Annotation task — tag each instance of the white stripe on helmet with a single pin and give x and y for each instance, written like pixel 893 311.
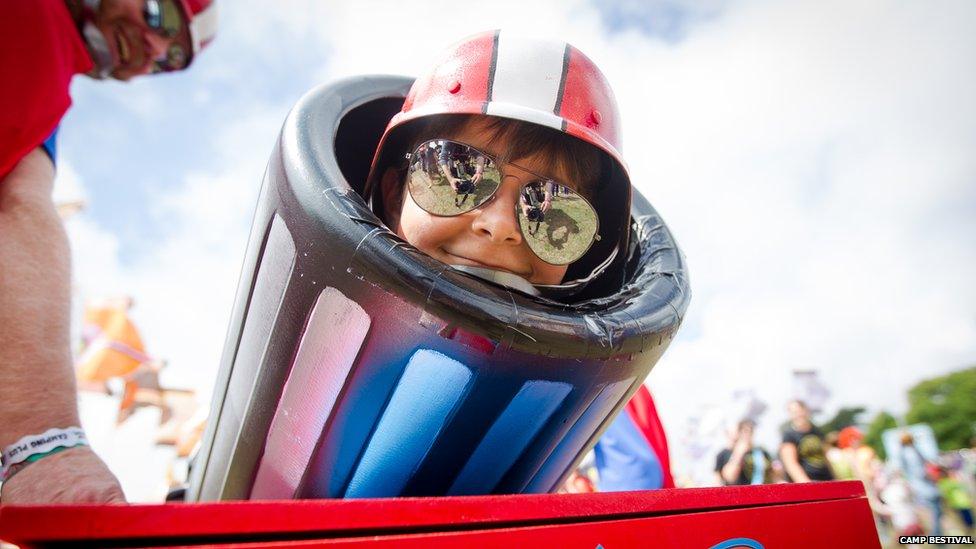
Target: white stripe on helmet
pixel 527 86
pixel 203 26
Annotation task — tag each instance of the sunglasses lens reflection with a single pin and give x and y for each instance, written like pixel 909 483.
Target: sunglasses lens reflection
pixel 558 223
pixel 151 14
pixel 176 57
pixel 163 16
pixel 447 178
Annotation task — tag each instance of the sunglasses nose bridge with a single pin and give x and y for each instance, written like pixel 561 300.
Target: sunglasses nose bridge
pixel 513 186
pixel 512 170
pixel 497 218
pixel 510 185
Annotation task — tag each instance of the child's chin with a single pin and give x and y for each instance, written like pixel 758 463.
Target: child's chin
pixel 502 277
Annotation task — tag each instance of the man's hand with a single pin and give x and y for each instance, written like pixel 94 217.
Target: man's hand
pixel 742 446
pixel 75 475
pixel 578 484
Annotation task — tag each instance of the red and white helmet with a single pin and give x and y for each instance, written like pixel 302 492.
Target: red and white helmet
pixel 549 83
pixel 201 18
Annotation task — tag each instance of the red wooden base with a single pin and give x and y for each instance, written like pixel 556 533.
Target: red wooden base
pixel 832 514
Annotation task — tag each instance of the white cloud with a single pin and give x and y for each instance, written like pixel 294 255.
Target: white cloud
pixel 68 187
pixel 813 159
pixel 815 169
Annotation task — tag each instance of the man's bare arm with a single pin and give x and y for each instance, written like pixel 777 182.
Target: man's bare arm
pixel 731 470
pixel 791 462
pixel 35 355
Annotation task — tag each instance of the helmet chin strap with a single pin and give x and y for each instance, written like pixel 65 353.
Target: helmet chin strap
pixel 96 42
pixel 553 291
pixel 570 288
pixel 503 278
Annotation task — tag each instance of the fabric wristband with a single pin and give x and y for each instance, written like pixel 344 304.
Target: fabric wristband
pixel 34 447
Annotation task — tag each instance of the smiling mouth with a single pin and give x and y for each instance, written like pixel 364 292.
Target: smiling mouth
pixel 123 48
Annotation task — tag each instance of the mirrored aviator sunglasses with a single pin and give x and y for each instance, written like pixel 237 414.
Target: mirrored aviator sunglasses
pixel 447 178
pixel 165 18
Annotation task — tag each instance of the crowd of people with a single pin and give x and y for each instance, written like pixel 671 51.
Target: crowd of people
pixel 916 492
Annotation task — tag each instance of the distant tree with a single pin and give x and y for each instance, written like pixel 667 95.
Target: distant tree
pixel 881 423
pixel 948 404
pixel 845 417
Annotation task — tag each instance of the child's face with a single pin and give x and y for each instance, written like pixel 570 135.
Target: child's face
pixel 488 236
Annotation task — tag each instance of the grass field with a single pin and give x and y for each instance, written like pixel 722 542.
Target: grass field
pixel 566 232
pixel 438 196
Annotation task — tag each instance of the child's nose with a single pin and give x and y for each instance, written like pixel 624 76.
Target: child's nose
pixel 496 219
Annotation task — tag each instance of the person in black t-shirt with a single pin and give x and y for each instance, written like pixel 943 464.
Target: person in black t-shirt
pixel 744 463
pixel 802 451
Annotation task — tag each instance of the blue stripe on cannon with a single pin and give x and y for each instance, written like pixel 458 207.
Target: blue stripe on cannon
pixel 508 437
pixel 429 390
pixel 562 457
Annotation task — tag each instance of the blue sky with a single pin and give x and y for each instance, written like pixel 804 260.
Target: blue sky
pixel 813 159
pixel 667 20
pixel 150 133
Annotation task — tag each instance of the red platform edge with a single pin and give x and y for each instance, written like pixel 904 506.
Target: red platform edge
pixel 31 525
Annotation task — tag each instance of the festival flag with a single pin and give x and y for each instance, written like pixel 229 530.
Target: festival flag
pixel 745 405
pixel 112 345
pixel 808 388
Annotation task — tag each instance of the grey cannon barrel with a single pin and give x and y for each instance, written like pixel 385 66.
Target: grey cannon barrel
pixel 357 366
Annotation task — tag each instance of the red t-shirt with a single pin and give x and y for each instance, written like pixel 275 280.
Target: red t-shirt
pixel 42 50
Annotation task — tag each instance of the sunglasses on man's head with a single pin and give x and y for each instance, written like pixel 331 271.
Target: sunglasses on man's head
pixel 447 178
pixel 165 18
